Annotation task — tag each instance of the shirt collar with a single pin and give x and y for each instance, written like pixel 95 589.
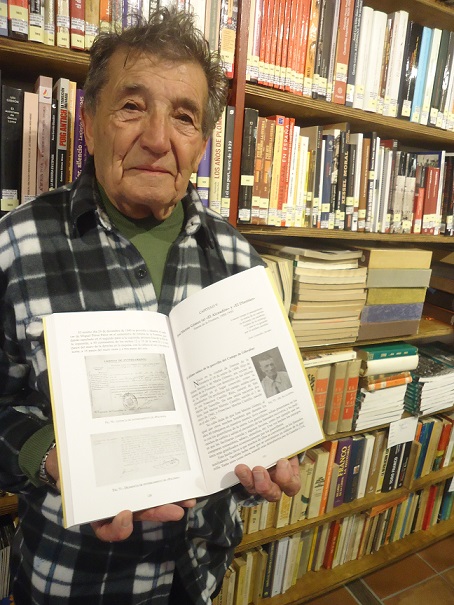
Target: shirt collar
pixel 87 207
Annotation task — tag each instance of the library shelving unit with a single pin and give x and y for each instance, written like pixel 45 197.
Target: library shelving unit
pixel 24 61
pixel 308 112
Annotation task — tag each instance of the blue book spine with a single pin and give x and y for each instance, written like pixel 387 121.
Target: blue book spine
pixel 391 312
pixel 424 437
pixel 416 107
pixel 203 175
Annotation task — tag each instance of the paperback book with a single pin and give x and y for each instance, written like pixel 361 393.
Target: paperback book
pixel 150 409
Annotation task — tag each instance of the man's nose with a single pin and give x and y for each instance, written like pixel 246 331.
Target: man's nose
pixel 156 133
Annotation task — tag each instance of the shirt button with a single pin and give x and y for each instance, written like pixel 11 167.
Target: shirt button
pixel 141 273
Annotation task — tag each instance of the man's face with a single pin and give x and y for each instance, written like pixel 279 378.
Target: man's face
pixel 268 368
pixel 146 132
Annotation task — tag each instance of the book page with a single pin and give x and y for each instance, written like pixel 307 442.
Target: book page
pixel 124 437
pixel 247 391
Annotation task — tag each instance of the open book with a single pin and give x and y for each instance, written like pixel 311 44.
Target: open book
pixel 150 409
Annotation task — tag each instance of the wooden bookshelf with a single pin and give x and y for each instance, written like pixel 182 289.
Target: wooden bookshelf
pixel 8 504
pixel 344 510
pixel 316 583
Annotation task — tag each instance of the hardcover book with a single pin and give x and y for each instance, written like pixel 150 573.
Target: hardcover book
pixel 143 427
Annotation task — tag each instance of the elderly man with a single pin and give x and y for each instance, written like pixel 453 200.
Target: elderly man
pixel 129 233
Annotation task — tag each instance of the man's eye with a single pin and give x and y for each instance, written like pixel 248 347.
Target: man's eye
pixel 184 117
pixel 130 106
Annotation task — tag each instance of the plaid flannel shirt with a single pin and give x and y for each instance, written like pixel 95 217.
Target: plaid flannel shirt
pixel 61 253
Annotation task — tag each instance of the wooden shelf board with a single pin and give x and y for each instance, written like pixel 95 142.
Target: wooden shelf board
pixel 354 236
pixel 30 59
pixel 315 583
pixel 308 111
pixel 8 504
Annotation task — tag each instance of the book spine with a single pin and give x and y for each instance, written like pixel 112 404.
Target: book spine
pixel 217 156
pixel 227 161
pixel 276 175
pixel 79 138
pixel 77 24
pixel 105 17
pixel 36 21
pixel 18 19
pixel 43 88
pixel 10 147
pixel 227 34
pixel 203 174
pixel 63 23
pixel 309 66
pixel 4 18
pixel 346 16
pixel 91 22
pixel 353 57
pixel 29 146
pixel 53 146
pixel 342 459
pixel 60 93
pixel 49 22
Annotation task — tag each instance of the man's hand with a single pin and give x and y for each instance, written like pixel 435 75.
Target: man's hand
pixel 120 527
pixel 284 477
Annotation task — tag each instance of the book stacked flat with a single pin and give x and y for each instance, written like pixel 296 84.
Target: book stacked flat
pixel 385 373
pixel 433 380
pixel 328 292
pixel 397 279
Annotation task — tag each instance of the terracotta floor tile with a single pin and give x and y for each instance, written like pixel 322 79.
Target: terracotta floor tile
pixel 341 596
pixel 434 590
pixel 440 555
pixel 398 576
pixel 449 576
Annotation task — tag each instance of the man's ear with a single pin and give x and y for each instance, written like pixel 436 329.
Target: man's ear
pixel 87 121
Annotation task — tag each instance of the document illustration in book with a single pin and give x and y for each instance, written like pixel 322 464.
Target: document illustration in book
pixel 150 409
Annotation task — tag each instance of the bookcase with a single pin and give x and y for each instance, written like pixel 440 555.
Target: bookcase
pixel 24 61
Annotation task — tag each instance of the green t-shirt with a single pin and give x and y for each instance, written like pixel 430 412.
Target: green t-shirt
pixel 151 237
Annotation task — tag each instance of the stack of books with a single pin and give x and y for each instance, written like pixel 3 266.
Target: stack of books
pixel 397 279
pixel 433 380
pixel 385 373
pixel 328 292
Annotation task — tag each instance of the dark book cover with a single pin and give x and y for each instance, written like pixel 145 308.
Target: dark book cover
pixel 323 33
pixel 440 298
pixel 372 136
pixel 325 200
pixel 409 69
pixel 10 147
pixel 437 90
pixel 342 458
pixel 342 177
pixel 403 465
pixel 53 146
pixel 354 467
pixel 350 184
pixel 247 165
pixel 391 468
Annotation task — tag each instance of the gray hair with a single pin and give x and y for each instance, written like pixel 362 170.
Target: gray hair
pixel 170 35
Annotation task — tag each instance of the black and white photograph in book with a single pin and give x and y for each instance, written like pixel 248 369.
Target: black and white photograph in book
pixel 272 373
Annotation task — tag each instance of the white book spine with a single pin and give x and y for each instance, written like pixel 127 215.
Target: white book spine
pixel 363 51
pixel 374 61
pixel 395 67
